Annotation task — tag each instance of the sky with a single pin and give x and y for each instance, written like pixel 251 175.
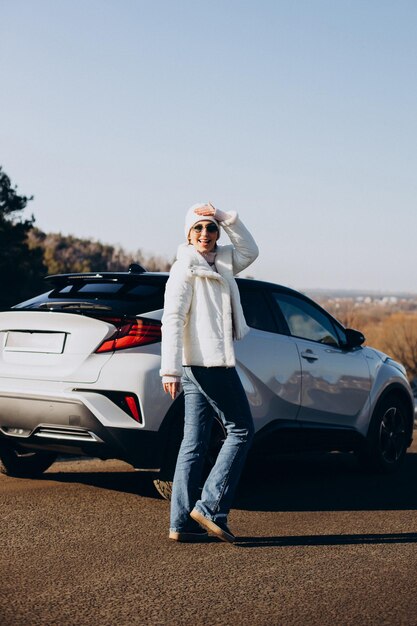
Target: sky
pixel 117 115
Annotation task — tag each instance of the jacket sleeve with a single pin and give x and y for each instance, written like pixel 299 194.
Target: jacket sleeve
pixel 178 296
pixel 245 250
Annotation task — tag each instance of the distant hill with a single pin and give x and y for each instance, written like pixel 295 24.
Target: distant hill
pixel 354 294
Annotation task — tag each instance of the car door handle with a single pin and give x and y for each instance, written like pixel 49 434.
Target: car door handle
pixel 309 355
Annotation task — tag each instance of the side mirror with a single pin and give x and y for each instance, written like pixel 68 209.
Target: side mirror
pixel 354 338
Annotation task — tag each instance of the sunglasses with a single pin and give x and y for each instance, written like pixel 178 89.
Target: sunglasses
pixel 210 228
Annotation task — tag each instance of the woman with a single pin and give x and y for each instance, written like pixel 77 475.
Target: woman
pixel 202 316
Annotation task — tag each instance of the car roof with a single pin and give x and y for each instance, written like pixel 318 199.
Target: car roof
pixel 59 280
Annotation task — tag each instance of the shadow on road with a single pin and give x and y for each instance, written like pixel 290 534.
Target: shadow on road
pixel 138 483
pixel 324 540
pixel 325 482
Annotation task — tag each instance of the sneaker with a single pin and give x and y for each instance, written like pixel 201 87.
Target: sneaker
pixel 188 537
pixel 218 530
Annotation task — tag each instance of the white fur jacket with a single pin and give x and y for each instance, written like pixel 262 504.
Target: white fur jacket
pixel 202 311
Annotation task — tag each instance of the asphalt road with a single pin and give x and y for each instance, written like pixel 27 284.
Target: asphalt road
pixel 319 543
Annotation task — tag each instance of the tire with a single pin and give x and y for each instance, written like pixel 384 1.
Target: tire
pixel 15 461
pixel 386 445
pixel 163 484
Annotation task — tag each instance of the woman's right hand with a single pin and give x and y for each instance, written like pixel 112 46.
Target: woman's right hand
pixel 209 210
pixel 206 210
pixel 172 388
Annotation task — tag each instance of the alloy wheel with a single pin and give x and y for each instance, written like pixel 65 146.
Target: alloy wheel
pixel 392 435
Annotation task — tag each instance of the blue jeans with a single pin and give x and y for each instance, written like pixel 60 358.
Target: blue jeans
pixel 209 390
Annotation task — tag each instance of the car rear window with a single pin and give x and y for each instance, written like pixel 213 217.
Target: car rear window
pixel 106 288
pixel 125 298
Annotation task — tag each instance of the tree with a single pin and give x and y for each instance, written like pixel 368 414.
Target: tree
pixel 27 254
pixel 399 340
pixel 66 253
pixel 21 268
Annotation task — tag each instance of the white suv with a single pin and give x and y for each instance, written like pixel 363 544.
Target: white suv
pixel 79 374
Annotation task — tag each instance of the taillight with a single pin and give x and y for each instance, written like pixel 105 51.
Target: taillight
pixel 132 404
pixel 131 334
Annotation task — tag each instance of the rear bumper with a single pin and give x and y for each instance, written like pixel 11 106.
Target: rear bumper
pixel 69 425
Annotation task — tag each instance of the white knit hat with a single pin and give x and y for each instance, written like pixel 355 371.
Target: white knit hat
pixel 192 218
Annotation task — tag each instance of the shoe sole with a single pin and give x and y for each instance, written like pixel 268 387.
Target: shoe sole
pixel 187 537
pixel 211 527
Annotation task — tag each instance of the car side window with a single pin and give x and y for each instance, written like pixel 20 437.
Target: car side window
pixel 256 310
pixel 305 320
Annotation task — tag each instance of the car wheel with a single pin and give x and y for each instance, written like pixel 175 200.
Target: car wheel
pixel 24 463
pixel 163 484
pixel 388 437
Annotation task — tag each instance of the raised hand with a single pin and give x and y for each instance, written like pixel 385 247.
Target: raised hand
pixel 206 209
